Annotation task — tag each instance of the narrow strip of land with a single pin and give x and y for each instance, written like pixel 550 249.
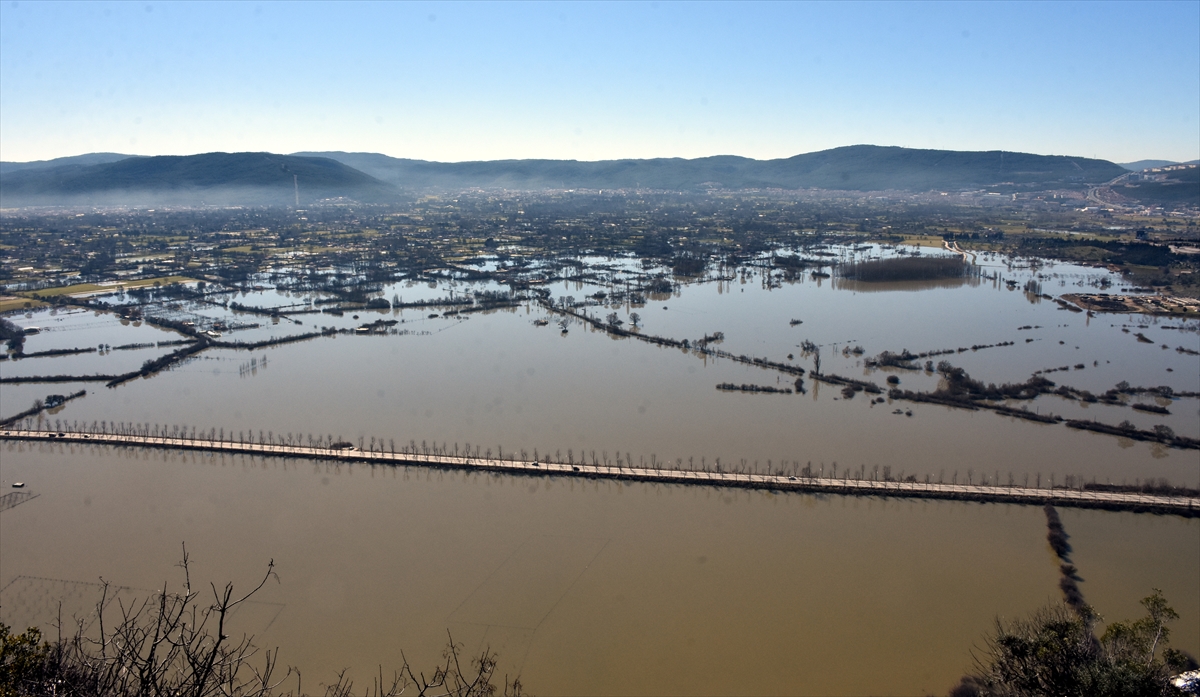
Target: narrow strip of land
pixel 1059 496
pixel 953 247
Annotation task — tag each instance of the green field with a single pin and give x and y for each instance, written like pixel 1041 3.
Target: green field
pixel 93 287
pixel 11 302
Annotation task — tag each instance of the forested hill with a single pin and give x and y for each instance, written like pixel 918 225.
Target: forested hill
pixel 856 168
pixel 94 158
pixel 212 178
pixel 269 179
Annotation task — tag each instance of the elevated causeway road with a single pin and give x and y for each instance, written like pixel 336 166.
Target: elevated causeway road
pixel 1058 496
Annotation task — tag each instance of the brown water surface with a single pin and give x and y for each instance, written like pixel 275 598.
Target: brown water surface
pixel 608 588
pixel 583 587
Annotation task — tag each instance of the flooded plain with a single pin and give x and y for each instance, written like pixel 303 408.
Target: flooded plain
pixel 589 587
pixel 495 379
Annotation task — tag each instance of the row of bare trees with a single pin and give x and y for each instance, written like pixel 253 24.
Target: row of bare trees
pixel 617 460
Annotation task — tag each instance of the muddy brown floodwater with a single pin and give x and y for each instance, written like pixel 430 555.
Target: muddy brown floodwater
pixel 602 587
pixel 583 587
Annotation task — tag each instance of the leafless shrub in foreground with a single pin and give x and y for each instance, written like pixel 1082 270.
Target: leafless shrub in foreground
pixel 177 644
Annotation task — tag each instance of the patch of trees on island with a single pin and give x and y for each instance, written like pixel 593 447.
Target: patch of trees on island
pixel 914 268
pixel 51 402
pixel 960 390
pixel 904 359
pixel 765 389
pixel 12 335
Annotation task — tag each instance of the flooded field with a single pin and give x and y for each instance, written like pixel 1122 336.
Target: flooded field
pixel 497 380
pixel 589 587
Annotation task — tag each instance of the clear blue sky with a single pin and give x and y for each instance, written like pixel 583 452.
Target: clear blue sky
pixel 462 81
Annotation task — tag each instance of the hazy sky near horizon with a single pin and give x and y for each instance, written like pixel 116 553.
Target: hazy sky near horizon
pixel 593 81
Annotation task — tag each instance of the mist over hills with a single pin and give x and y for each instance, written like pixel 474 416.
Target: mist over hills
pixel 267 179
pixel 854 168
pixel 212 178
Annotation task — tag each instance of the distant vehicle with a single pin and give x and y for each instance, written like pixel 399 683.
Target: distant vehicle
pixel 18 485
pixel 791 479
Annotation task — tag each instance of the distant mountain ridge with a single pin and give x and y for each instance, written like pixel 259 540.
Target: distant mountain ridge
pixel 1146 164
pixel 856 168
pixel 1151 164
pixel 267 178
pixel 212 178
pixel 94 158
